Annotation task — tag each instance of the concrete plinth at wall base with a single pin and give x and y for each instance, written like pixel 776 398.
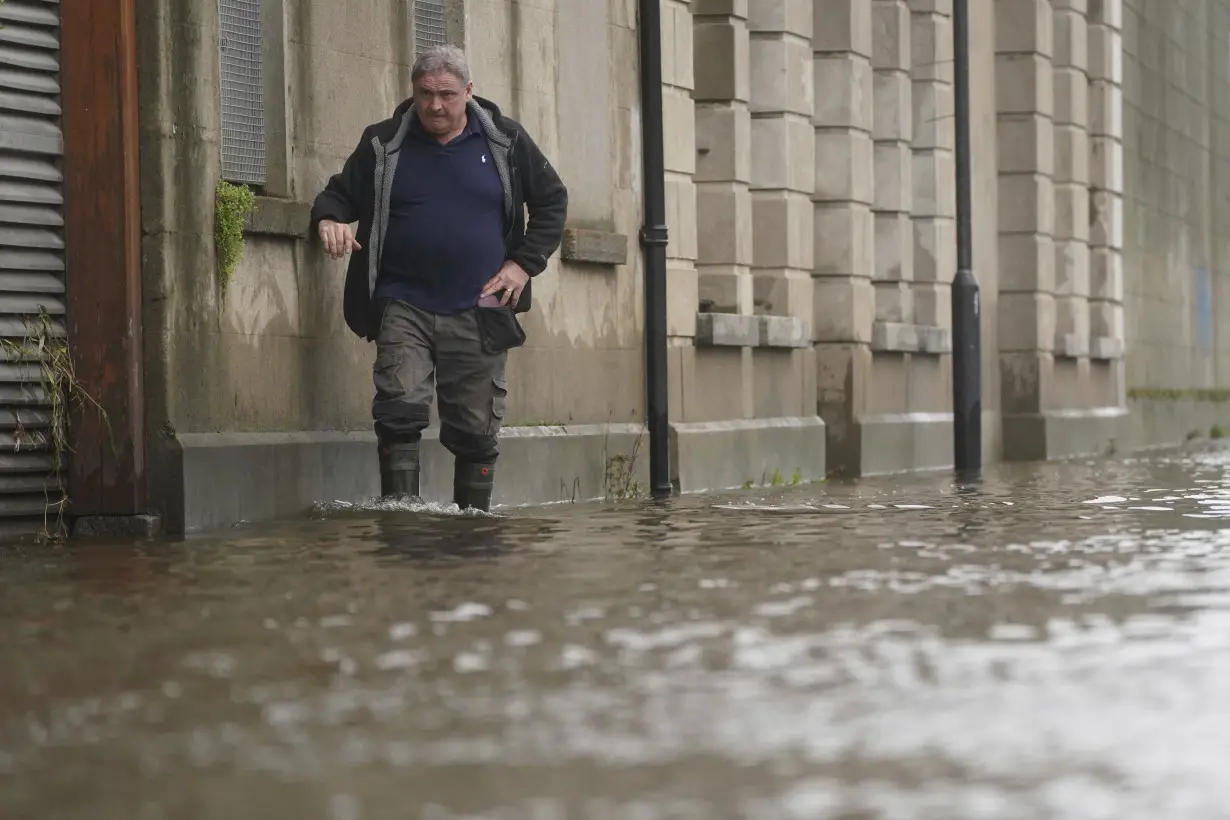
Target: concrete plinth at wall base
pixel 211 481
pixel 1166 422
pixel 905 442
pixel 214 480
pixel 725 455
pixel 1065 433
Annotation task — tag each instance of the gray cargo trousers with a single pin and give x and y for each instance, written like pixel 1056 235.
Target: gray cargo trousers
pixel 421 356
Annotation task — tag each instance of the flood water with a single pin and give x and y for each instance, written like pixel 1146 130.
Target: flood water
pixel 1053 642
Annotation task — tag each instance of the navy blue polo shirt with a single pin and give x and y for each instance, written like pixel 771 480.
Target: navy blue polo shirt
pixel 446 222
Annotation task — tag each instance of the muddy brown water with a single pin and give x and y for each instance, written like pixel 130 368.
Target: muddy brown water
pixel 1052 642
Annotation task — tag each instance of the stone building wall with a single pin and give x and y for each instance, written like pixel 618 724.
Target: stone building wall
pixel 811 206
pixel 1176 111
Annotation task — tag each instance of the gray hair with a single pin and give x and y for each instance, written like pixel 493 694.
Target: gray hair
pixel 441 58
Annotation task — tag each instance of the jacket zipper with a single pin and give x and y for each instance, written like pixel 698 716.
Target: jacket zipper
pixel 512 183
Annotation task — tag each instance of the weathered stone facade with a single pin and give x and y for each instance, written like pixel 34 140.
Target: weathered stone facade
pixel 810 161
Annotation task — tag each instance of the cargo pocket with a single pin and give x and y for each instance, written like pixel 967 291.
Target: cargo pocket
pixel 385 372
pixel 499 330
pixel 499 405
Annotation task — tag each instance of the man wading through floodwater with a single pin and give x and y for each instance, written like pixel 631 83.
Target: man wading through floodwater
pixel 441 264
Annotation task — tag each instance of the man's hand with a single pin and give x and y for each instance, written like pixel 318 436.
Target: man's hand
pixel 511 279
pixel 337 238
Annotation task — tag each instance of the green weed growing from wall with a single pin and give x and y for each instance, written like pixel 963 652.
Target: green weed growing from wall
pixel 232 206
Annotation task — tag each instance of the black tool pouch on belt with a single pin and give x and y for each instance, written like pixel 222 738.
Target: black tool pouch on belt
pixel 499 329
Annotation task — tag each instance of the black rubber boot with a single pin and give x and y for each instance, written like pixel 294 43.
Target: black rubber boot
pixel 472 485
pixel 399 470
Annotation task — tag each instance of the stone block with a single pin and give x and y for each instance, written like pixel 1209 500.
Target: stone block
pixel 1026 322
pixel 681 217
pixel 1106 319
pixel 1106 220
pixel 1078 6
pixel 893 117
pixel 844 240
pixel 1106 164
pixel 934 339
pixel 682 45
pixel 935 249
pixel 721 59
pixel 933 308
pixel 1071 97
pixel 844 309
pixel 893 177
pixel 1071 39
pixel 1071 211
pixel 940 7
pixel 784 331
pixel 933 122
pixel 845 166
pixel 724 223
pixel 1105 109
pixel 1070 345
pixel 279 217
pixel 1024 27
pixel 672 60
pixel 893 336
pixel 594 247
pixel 890 35
pixel 1106 13
pixel 1071 267
pixel 844 91
pixel 1072 319
pixel 1106 275
pixel 1103 348
pixel 782 230
pixel 841 26
pixel 724 384
pixel 781 75
pixel 716 455
pixel 1026 263
pixel 723 142
pixel 894 253
pixel 1105 54
pixel 781 16
pixel 721 8
pixel 679 131
pixel 1024 85
pixel 1071 154
pixel 782 292
pixel 933 175
pixel 1025 144
pixel 1026 204
pixel 784 153
pixel 931 48
pixel 724 289
pixel 727 330
pixel 682 299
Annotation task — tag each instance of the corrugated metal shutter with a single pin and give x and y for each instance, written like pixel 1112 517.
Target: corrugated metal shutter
pixel 428 24
pixel 31 253
pixel 243 91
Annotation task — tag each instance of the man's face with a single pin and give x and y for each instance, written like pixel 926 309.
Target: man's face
pixel 440 100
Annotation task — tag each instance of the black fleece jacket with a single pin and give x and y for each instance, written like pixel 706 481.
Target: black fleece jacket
pixel 360 192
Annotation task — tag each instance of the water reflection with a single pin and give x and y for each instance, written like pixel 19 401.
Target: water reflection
pixel 1050 642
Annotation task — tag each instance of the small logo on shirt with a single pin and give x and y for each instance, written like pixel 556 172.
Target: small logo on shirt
pixel 484 159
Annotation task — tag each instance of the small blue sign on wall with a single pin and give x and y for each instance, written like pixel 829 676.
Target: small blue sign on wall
pixel 1204 308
